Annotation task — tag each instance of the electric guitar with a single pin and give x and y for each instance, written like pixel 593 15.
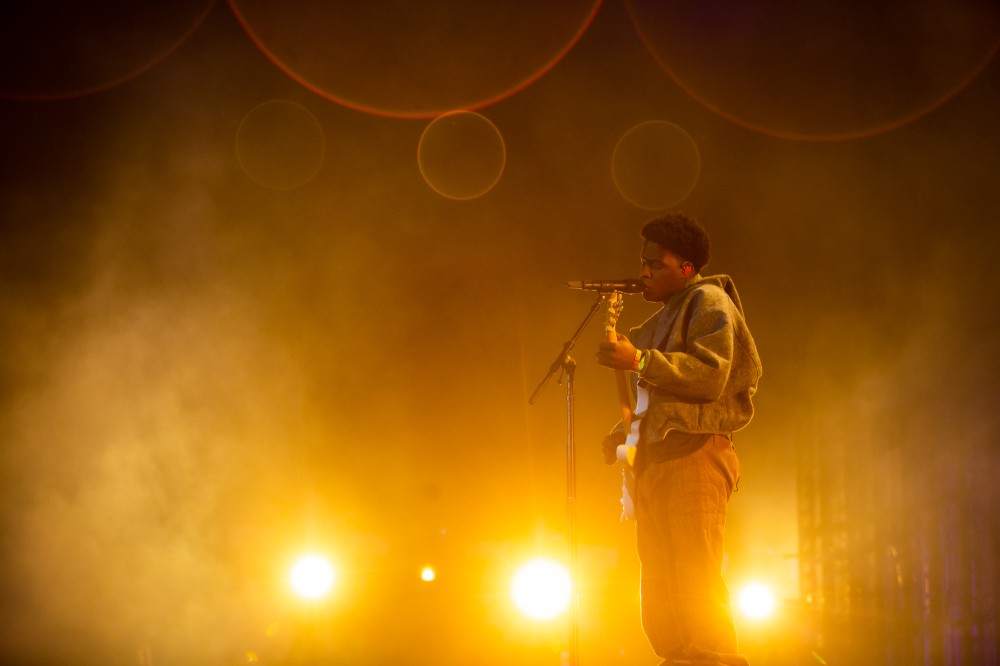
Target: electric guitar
pixel 625 452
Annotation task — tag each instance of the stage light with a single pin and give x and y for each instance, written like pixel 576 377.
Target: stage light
pixel 756 601
pixel 427 574
pixel 542 589
pixel 312 576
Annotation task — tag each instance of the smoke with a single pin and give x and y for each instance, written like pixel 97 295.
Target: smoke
pixel 141 455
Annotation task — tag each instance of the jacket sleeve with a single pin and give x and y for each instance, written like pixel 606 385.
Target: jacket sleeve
pixel 697 368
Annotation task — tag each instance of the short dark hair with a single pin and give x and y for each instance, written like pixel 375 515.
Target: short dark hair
pixel 682 235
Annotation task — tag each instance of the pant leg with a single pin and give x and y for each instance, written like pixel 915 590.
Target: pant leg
pixel 680 523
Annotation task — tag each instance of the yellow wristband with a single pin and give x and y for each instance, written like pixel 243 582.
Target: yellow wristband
pixel 636 361
pixel 642 362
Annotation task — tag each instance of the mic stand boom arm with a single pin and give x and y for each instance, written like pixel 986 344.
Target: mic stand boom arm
pixel 560 362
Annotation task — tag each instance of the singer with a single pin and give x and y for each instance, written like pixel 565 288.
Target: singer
pixel 694 368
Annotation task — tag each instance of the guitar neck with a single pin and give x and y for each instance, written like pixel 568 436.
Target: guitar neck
pixel 613 301
pixel 624 394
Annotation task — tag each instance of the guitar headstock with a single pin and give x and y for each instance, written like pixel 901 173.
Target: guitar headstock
pixel 614 302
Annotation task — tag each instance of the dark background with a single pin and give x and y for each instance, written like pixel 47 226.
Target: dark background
pixel 234 332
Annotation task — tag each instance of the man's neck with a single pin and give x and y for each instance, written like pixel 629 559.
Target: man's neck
pixel 691 280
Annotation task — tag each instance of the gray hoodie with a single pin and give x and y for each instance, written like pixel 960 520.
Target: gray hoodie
pixel 703 366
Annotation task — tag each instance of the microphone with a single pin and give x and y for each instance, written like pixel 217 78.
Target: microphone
pixel 624 286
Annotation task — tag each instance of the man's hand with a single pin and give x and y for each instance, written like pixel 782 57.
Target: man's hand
pixel 610 446
pixel 618 355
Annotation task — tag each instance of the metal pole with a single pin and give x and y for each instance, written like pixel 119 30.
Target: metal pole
pixel 574 630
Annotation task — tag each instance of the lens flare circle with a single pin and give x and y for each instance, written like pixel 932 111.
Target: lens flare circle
pixel 756 601
pixel 65 50
pixel 312 576
pixel 280 145
pixel 823 73
pixel 655 165
pixel 461 155
pixel 541 589
pixel 415 59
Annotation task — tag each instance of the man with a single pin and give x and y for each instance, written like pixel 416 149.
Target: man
pixel 695 368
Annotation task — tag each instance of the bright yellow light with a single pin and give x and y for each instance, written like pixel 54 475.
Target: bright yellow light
pixel 312 576
pixel 757 601
pixel 427 574
pixel 542 589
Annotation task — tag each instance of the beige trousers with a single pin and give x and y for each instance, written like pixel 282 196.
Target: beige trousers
pixel 680 522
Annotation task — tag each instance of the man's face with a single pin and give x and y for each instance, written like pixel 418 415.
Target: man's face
pixel 663 272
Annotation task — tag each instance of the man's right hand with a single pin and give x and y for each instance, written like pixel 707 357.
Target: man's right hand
pixel 610 446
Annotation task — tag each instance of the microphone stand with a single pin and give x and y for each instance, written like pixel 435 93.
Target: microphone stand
pixel 565 363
